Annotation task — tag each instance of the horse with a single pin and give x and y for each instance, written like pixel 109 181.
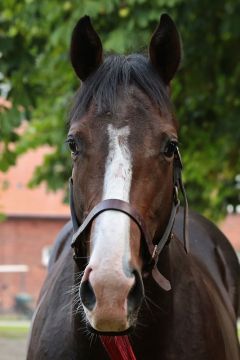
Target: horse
pixel 133 275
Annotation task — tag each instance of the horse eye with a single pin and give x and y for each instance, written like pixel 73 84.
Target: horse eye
pixel 170 149
pixel 72 146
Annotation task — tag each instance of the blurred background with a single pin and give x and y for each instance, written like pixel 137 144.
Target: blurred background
pixel 37 85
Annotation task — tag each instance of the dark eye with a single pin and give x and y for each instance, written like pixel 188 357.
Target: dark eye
pixel 170 149
pixel 72 146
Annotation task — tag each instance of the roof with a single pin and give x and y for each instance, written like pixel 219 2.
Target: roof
pixel 17 199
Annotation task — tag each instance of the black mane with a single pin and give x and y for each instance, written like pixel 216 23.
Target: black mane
pixel 119 70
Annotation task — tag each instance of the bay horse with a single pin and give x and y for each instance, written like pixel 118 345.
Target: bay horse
pixel 133 275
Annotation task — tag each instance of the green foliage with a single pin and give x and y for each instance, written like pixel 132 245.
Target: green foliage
pixel 34 42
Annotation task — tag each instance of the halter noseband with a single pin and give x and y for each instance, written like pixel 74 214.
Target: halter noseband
pixel 155 245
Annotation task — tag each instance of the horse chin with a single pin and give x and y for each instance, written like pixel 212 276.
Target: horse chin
pixel 111 327
pixel 110 333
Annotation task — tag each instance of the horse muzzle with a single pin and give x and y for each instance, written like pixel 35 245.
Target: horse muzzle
pixel 111 302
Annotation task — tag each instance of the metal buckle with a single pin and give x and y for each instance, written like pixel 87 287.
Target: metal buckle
pixel 176 192
pixel 155 252
pixel 178 158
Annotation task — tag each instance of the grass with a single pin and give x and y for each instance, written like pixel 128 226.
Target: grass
pixel 13 332
pixel 9 329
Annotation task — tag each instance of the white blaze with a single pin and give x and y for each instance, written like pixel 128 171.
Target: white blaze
pixel 110 234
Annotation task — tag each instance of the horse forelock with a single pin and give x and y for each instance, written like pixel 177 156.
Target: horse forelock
pixel 114 78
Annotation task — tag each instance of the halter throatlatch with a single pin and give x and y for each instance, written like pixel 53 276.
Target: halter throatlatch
pixel 152 247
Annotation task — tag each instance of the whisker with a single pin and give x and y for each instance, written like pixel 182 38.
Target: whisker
pixel 149 300
pixel 147 304
pixel 93 338
pixel 78 275
pixel 73 289
pixel 136 332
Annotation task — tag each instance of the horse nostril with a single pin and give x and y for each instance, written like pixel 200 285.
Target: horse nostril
pixel 87 295
pixel 136 293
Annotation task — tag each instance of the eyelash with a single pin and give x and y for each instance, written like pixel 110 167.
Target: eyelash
pixel 72 146
pixel 170 148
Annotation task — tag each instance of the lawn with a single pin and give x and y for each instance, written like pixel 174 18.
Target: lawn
pixel 14 329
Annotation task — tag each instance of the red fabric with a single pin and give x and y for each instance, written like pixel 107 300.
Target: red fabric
pixel 118 347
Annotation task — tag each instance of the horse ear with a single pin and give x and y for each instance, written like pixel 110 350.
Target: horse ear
pixel 86 49
pixel 165 48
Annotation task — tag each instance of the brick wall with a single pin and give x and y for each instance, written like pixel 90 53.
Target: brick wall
pixel 21 242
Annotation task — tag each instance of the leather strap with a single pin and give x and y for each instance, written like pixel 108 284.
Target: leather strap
pixel 117 205
pixel 178 183
pixel 168 231
pixel 72 207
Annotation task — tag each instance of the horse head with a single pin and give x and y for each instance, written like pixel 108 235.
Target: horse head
pixel 123 140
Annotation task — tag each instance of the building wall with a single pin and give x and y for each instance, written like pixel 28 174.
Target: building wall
pixel 231 228
pixel 22 242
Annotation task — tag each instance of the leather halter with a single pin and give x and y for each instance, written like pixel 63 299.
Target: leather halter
pixel 154 246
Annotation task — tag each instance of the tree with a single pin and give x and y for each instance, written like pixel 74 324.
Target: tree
pixel 37 78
